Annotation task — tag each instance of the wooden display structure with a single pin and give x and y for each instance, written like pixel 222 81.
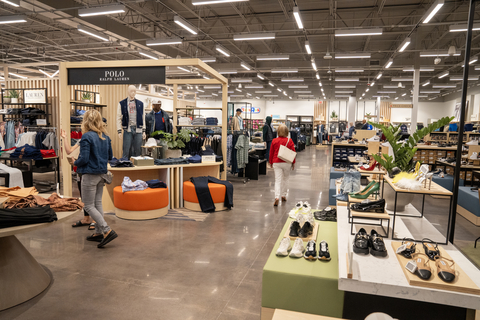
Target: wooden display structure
pixel 462 282
pixel 364 134
pixel 472 149
pixel 373 147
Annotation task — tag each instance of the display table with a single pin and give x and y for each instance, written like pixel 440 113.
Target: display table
pixel 291 315
pixel 384 276
pixel 172 175
pixel 21 276
pixel 301 285
pixel 463 168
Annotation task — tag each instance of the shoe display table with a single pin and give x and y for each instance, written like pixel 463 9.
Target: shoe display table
pixel 21 276
pixel 382 279
pixel 463 168
pixel 297 284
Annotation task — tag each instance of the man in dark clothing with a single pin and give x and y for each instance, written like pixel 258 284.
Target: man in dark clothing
pixel 158 120
pixel 268 135
pixel 365 125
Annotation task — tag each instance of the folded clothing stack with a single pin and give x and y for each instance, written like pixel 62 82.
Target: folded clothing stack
pixel 55 202
pixel 129 185
pixel 155 183
pixel 120 163
pixel 198 121
pixel 195 159
pixel 27 152
pixel 20 217
pixel 31 111
pixel 48 153
pixel 184 121
pixel 75 120
pixel 13 111
pixel 211 121
pixel 80 113
pixel 169 161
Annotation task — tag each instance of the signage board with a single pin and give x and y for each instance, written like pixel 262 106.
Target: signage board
pixel 35 96
pixel 251 110
pixel 122 75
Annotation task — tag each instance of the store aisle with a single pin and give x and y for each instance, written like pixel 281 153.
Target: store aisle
pixel 171 269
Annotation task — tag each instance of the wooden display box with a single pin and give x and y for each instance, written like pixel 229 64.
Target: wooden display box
pixel 142 162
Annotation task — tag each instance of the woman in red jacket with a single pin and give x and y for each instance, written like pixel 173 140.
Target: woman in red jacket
pixel 281 168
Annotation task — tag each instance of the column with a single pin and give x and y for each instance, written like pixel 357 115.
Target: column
pixel 416 89
pixel 377 109
pixel 352 103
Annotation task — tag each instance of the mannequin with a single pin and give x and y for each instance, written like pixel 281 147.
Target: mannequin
pixel 131 121
pixel 158 120
pixel 237 121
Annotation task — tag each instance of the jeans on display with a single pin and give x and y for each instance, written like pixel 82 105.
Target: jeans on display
pixel 92 189
pixel 282 173
pixel 132 143
pixel 351 181
pixel 10 135
pixel 163 148
pixel 267 154
pixel 203 193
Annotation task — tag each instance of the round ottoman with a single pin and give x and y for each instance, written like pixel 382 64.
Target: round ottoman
pixel 140 205
pixel 190 199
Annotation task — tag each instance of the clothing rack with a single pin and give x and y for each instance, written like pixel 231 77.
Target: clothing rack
pixel 237 133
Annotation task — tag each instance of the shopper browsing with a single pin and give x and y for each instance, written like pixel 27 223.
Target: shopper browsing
pixel 281 168
pixel 95 151
pixel 268 135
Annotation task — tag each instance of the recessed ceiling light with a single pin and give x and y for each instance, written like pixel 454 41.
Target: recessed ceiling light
pixel 184 24
pixel 98 11
pixel 358 32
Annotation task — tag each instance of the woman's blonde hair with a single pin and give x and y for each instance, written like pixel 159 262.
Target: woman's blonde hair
pixel 92 121
pixel 282 131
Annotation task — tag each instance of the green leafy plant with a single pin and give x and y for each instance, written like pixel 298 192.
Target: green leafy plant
pixel 368 114
pixel 86 96
pixel 176 140
pixel 7 96
pixel 333 115
pixel 14 94
pixel 404 151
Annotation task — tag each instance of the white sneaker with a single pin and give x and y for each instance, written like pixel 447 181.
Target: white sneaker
pixel 474 156
pixel 306 208
pixel 357 158
pixel 374 138
pixel 284 247
pixel 293 214
pixel 472 143
pixel 298 249
pixel 300 218
pixel 310 218
pixel 299 205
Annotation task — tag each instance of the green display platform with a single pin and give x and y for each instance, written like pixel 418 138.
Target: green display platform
pixel 302 285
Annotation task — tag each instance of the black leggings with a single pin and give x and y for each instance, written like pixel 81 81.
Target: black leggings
pixel 79 184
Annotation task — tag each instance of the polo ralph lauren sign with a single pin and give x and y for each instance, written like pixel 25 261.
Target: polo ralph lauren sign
pixel 127 75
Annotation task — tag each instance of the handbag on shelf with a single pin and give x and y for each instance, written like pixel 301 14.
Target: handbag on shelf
pixel 286 154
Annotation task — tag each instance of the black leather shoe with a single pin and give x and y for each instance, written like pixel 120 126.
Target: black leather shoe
pixel 111 236
pixel 306 230
pixel 377 246
pixel 97 238
pixel 371 206
pixel 294 228
pixel 361 241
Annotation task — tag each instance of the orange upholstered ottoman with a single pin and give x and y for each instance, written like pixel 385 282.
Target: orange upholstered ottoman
pixel 140 205
pixel 190 199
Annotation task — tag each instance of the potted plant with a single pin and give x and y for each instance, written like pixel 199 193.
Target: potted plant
pixel 175 141
pixel 14 94
pixel 334 116
pixel 86 97
pixel 7 99
pixel 403 153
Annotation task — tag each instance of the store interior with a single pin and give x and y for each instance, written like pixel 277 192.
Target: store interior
pixel 240 159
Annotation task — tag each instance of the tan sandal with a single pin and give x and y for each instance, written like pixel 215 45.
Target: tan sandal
pixel 423 266
pixel 445 270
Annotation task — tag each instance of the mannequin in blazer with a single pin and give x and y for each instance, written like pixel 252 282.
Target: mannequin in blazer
pixel 131 122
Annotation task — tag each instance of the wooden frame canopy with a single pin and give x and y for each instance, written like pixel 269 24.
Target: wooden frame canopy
pixel 65 98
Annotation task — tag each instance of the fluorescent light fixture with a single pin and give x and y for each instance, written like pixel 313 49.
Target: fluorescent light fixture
pixel 396 98
pixel 249 94
pixel 344 91
pixel 372 84
pixel 433 10
pixel 386 91
pixel 345 87
pixel 420 96
pixel 165 42
pixel 404 44
pixel 477 68
pixel 245 66
pixel 257 97
pixel 55 73
pixel 381 97
pixel 402 79
pixel 296 14
pixel 403 95
pixel 322 89
pixel 98 11
pixel 442 86
pixel 203 2
pixel 353 56
pixel 205 77
pixel 254 86
pixel 266 91
pixel 443 74
pixel 185 25
pixel 347 79
pixel 50 76
pixel 317 76
pixel 342 96
pixel 429 91
pixel 270 83
pixel 238 90
pixel 379 75
pixel 260 76
pixel 389 63
pixel 297 87
pixel 254 36
pixel 270 95
pixel 426 83
pixel 302 91
pixel 200 90
pixel 237 95
pixel 92 33
pixel 17 75
pixel 241 80
pixel 360 98
pixel 273 57
pixel 474 59
pixel 305 95
pixel 285 93
pixel 227 71
pixel 205 95
pixel 289 70
pixel 314 65
pixel 358 32
pixel 212 87
pixel 463 27
pixel 368 89
pixel 363 94
pixel 13 19
pixel 184 69
pixel 320 84
pixel 222 50
pixel 208 59
pixel 279 90
pixel 392 87
pixel 307 47
pixel 289 97
pixel 15 3
pixel 292 79
pixel 442 53
pixel 460 78
pixel 148 55
pixel 349 70
pixel 411 69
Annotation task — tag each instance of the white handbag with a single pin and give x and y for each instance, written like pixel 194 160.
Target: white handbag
pixel 286 154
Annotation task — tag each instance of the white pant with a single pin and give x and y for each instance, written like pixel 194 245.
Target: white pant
pixel 282 173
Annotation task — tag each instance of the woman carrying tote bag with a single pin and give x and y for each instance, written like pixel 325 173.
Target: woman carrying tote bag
pixel 281 167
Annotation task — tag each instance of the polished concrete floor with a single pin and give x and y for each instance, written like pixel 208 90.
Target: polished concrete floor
pixel 171 269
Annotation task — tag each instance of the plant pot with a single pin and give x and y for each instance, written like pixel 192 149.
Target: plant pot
pixel 169 153
pixel 14 100
pixel 86 100
pixel 7 100
pixel 403 199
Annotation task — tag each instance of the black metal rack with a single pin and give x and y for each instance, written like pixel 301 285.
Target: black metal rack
pixel 20 105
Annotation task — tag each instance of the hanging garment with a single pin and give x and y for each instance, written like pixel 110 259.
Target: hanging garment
pixel 242 151
pixel 229 150
pixel 20 217
pixel 351 182
pixel 203 193
pixel 16 176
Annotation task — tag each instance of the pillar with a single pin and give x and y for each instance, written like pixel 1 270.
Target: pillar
pixel 416 89
pixel 352 103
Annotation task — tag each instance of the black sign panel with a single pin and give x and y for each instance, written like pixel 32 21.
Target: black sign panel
pixel 126 75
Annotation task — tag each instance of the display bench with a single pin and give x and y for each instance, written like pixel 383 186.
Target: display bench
pixel 21 276
pixel 172 175
pixel 466 171
pixel 374 277
pixel 301 285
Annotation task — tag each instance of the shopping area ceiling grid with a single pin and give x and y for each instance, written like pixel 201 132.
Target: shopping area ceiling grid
pixel 319 44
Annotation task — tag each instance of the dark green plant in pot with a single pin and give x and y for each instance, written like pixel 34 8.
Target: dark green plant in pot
pixel 176 140
pixel 404 151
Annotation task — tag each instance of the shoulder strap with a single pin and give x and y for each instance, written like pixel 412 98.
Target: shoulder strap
pixel 288 140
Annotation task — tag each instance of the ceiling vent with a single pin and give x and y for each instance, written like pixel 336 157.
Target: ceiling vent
pixel 374 62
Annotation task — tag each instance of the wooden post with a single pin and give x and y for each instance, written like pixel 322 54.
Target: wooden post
pixel 64 108
pixel 175 106
pixel 224 128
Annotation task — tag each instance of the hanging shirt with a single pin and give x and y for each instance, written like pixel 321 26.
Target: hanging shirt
pixel 132 113
pixel 240 123
pixel 159 121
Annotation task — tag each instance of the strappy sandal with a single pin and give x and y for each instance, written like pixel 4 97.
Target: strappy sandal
pixel 410 247
pixel 430 250
pixel 92 226
pixel 445 269
pixel 423 266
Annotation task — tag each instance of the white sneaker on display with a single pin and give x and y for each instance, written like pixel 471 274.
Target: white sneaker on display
pixel 310 218
pixel 306 208
pixel 374 138
pixel 300 218
pixel 293 213
pixel 297 249
pixel 472 143
pixel 474 156
pixel 299 205
pixel 284 247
